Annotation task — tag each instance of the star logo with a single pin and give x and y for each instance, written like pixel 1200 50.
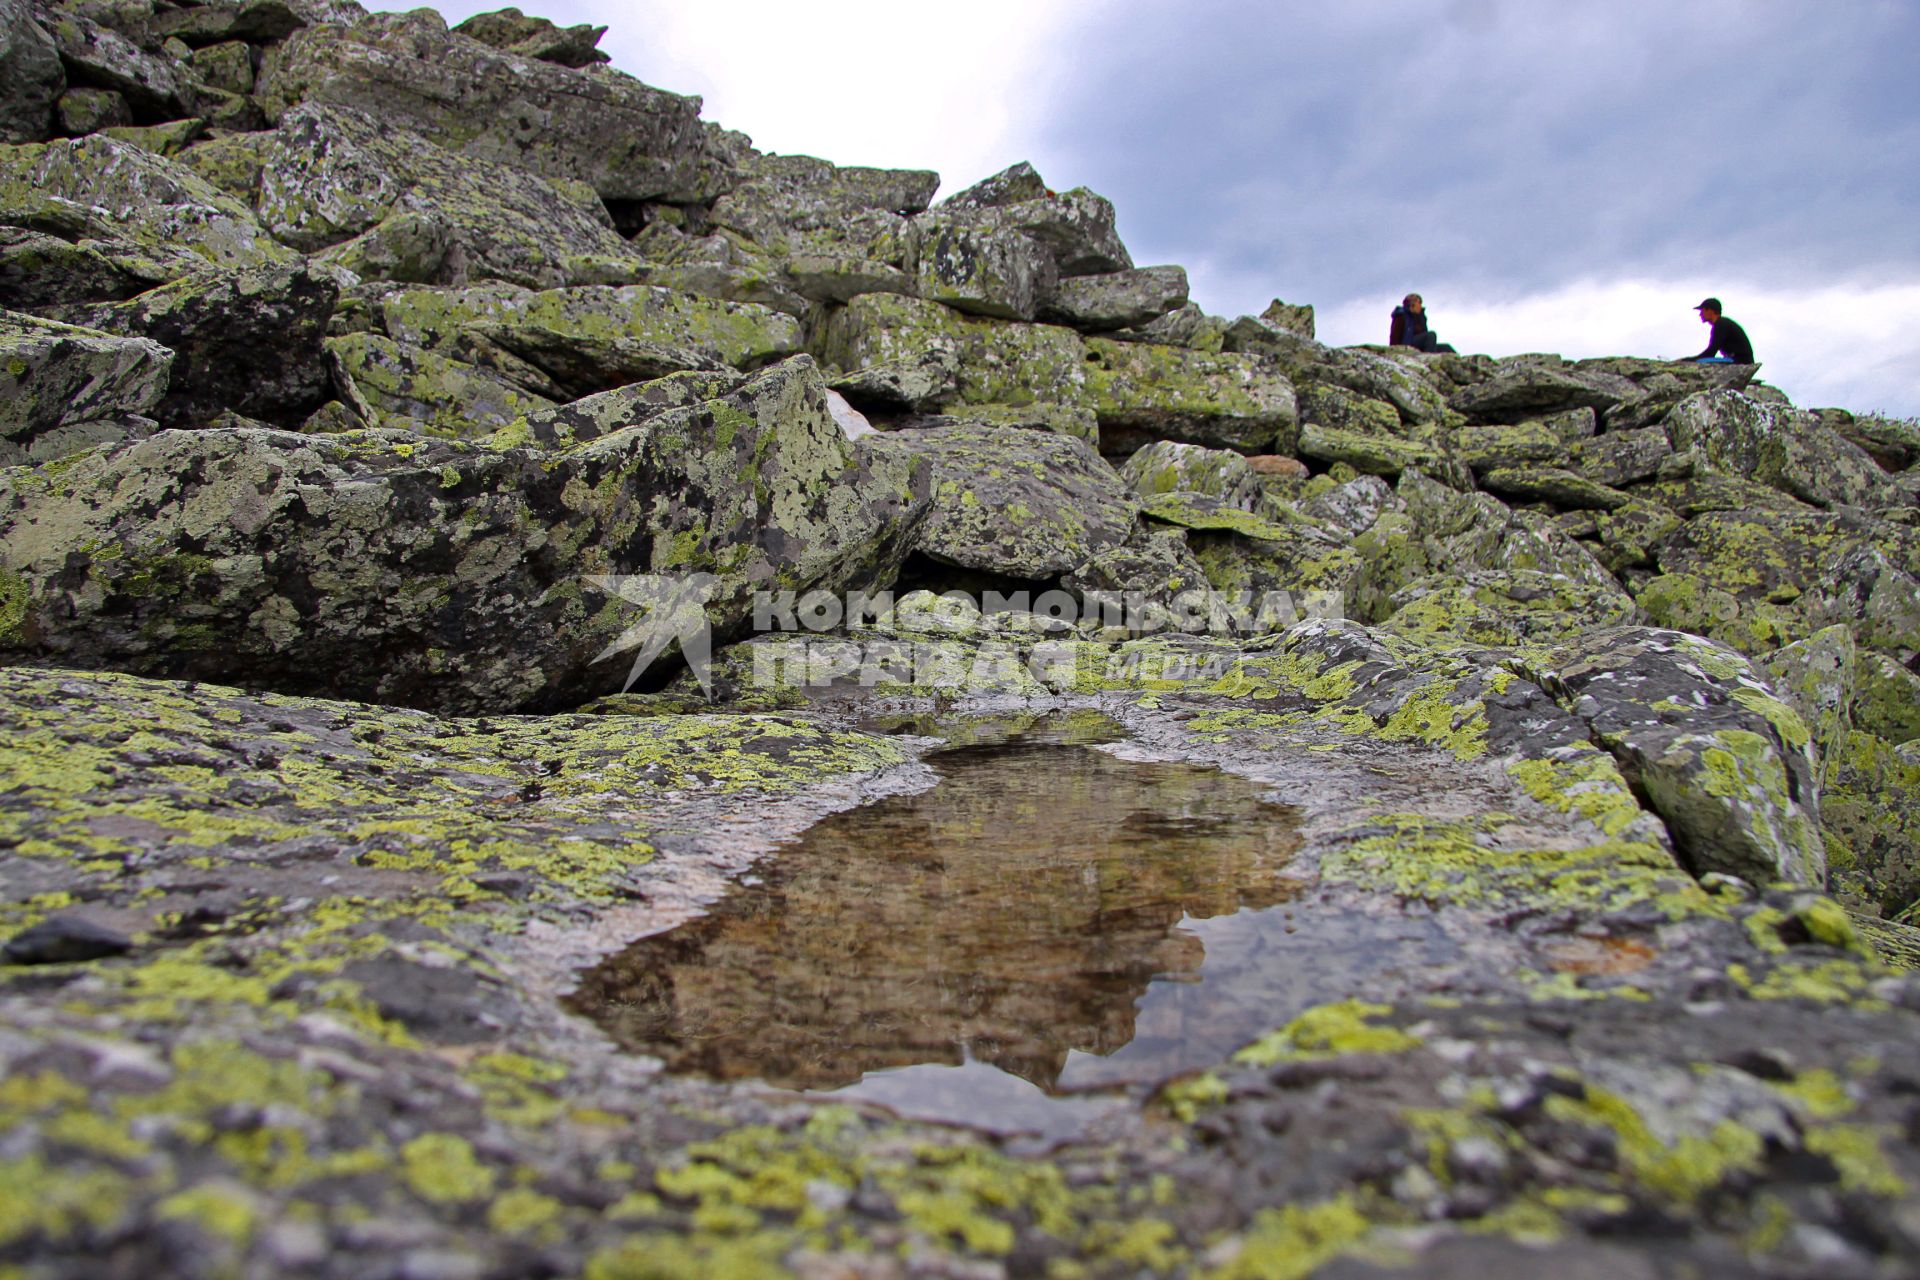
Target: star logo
pixel 676 613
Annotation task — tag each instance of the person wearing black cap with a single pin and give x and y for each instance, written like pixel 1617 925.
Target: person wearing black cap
pixel 1728 341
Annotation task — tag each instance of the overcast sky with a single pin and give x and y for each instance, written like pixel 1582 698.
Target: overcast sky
pixel 1550 176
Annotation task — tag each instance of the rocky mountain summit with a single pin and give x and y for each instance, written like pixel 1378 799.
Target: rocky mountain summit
pixel 351 363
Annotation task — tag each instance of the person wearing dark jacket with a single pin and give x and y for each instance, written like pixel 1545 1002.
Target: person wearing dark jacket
pixel 1410 327
pixel 1728 341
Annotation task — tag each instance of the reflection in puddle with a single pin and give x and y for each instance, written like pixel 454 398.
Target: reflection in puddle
pixel 1048 910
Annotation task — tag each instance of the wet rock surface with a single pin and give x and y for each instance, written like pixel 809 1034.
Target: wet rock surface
pixel 393 413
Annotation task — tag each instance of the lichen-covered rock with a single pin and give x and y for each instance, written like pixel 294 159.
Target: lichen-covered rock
pixel 393 385
pixel 1817 678
pixel 514 31
pixel 225 21
pixel 84 111
pixel 891 341
pixel 1024 504
pixel 1727 765
pixel 170 220
pixel 1557 485
pixel 1144 578
pixel 1012 185
pixel 38 270
pixel 440 573
pixel 31 75
pixel 1313 570
pixel 1892 442
pixel 1432 529
pixel 1117 299
pixel 1074 227
pixel 168 139
pixel 1872 808
pixel 625 140
pixel 1145 392
pixel 782 198
pixel 332 174
pixel 63 389
pixel 99 56
pixel 739 334
pixel 982 270
pixel 577 364
pixel 245 341
pixel 1507 445
pixel 1168 466
pixel 226 66
pixel 1886 698
pixel 1504 608
pixel 1290 317
pixel 1327 404
pixel 1378 455
pixel 1792 572
pixel 1732 432
pixel 1187 326
pixel 1527 386
pixel 405 248
pixel 1410 388
pixel 1620 457
pixel 1631 531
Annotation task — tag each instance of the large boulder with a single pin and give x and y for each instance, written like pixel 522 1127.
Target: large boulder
pixel 1075 227
pixel 1620 457
pixel 1779 576
pixel 983 270
pixel 31 75
pixel 390 384
pixel 1431 529
pixel 789 196
pixel 622 138
pixel 1504 608
pixel 1872 808
pixel 1117 299
pixel 437 573
pixel 739 334
pixel 913 348
pixel 1732 432
pixel 64 388
pixel 1817 677
pixel 101 57
pixel 1023 504
pixel 1144 392
pixel 1168 466
pixel 224 21
pixel 156 216
pixel 515 32
pixel 1527 386
pixel 332 174
pixel 46 268
pixel 245 341
pixel 1727 765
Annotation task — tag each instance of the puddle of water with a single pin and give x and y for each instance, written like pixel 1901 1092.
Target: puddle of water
pixel 1048 919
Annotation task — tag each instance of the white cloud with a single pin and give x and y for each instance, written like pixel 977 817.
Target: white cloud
pixel 856 82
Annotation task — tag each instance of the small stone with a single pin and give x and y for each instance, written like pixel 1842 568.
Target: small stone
pixel 1269 464
pixel 66 940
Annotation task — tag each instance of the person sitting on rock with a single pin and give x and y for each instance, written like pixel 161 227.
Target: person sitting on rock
pixel 1410 327
pixel 1727 343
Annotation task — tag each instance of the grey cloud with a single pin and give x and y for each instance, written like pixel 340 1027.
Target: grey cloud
pixel 1328 150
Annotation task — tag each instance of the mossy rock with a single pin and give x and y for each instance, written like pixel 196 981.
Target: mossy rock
pixel 443 573
pixel 1504 608
pixel 1025 504
pixel 1144 392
